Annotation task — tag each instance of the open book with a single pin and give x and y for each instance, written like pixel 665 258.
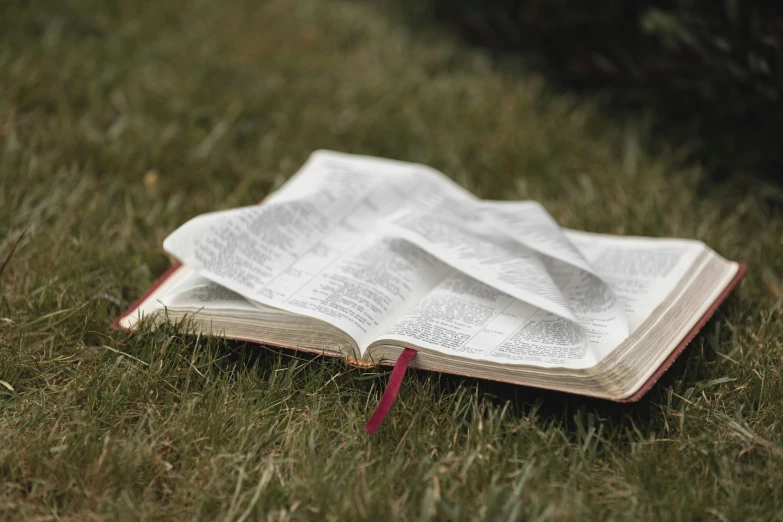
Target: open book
pixel 363 257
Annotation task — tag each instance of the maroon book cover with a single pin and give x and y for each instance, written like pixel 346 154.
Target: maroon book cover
pixel 741 272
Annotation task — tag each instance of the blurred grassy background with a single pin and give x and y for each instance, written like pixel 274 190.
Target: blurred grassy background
pixel 709 73
pixel 121 120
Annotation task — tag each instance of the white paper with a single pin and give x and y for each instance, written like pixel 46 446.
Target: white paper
pixel 306 249
pixel 641 271
pixel 466 317
pixel 396 250
pixel 485 255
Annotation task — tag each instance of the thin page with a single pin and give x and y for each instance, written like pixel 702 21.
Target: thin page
pixel 641 271
pixel 196 291
pixel 358 241
pixel 528 223
pixel 547 295
pixel 484 254
pixel 503 244
pixel 463 316
pixel 312 249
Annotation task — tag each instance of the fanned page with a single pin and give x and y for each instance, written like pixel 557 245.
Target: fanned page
pixel 465 317
pixel 313 247
pixel 394 252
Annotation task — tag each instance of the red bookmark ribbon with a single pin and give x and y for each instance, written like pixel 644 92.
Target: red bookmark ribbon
pixel 390 393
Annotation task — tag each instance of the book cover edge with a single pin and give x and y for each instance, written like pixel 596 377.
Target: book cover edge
pixel 138 302
pixel 742 270
pixel 635 397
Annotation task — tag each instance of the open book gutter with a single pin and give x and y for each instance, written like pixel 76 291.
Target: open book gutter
pixel 377 261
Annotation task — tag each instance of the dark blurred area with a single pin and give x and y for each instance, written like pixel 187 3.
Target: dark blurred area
pixel 710 72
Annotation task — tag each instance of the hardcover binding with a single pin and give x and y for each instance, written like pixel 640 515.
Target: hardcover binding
pixel 641 392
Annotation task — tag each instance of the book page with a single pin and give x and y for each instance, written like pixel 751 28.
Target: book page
pixel 488 256
pixel 466 317
pixel 359 242
pixel 312 248
pixel 641 271
pixel 195 291
pixel 528 223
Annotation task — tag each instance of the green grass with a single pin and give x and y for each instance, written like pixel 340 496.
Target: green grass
pixel 121 120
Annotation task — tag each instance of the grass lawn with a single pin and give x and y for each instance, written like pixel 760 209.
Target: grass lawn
pixel 121 120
